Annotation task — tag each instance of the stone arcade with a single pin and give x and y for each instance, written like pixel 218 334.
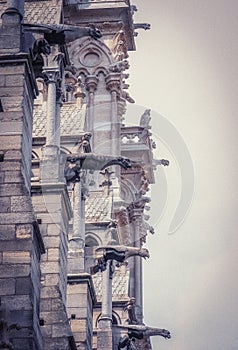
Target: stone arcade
pixel 73 178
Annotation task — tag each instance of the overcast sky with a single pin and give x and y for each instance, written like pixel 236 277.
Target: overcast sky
pixel 186 70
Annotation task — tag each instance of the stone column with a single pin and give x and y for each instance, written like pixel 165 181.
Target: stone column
pixel 57 116
pixel 53 73
pixel 76 247
pixel 91 85
pixel 83 198
pixel 105 321
pixel 52 77
pixel 17 5
pixel 77 209
pixel 113 82
pixel 138 268
pixel 121 109
pixel 136 212
pixel 76 263
pixel 10 31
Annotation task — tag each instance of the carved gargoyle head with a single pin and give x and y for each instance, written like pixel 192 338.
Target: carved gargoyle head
pixel 125 163
pixel 144 253
pixel 166 334
pixel 94 32
pixel 134 251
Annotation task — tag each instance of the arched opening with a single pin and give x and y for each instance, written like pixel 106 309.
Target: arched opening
pixel 116 320
pixel 91 241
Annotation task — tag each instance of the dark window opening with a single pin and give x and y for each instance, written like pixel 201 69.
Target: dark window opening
pixel 1 107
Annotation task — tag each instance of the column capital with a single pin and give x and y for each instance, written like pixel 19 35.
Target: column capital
pixel 91 82
pixel 52 69
pixel 113 82
pixel 51 75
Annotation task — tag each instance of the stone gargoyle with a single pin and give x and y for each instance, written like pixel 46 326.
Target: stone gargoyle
pixel 140 332
pixel 61 33
pixel 130 307
pixel 120 253
pixel 91 161
pixel 163 162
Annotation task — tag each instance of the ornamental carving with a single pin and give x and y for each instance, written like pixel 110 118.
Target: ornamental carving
pixel 89 54
pixel 123 225
pixel 120 46
pixel 119 67
pixel 122 217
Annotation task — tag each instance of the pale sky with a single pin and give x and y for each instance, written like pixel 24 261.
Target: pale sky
pixel 186 70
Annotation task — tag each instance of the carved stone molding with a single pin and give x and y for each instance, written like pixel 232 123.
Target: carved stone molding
pixel 110 27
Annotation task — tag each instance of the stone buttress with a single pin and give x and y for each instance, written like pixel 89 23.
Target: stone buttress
pixel 21 243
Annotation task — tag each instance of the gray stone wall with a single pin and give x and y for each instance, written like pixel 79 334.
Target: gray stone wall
pixel 21 244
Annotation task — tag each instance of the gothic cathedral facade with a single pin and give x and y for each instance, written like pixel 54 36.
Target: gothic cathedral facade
pixel 74 179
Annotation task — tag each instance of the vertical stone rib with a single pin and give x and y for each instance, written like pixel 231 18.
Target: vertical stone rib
pixel 113 82
pixel 57 121
pixel 105 320
pixel 115 130
pixel 138 272
pixel 77 210
pixel 106 316
pixel 91 86
pixel 51 112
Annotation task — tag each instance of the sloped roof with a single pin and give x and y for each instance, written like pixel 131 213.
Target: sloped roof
pixel 46 12
pixel 98 207
pixel 120 285
pixel 71 120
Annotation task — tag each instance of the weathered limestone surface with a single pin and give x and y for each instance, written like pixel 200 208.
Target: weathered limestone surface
pixel 21 245
pixel 80 300
pixel 53 209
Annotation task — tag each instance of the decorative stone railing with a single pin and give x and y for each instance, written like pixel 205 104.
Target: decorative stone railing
pixel 136 135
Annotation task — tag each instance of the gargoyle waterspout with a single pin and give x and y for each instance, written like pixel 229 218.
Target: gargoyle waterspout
pixel 92 161
pixel 61 33
pixel 117 252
